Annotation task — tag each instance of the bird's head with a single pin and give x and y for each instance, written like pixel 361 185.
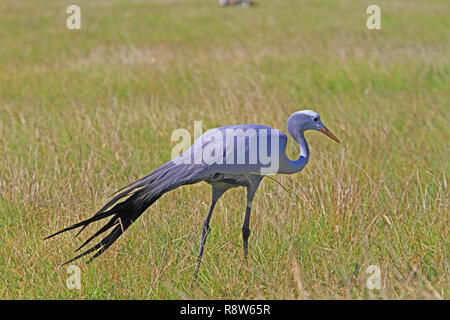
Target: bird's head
pixel 307 120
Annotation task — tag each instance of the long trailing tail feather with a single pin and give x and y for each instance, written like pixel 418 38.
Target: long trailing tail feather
pixel 105 228
pixel 135 199
pixel 121 221
pixel 128 190
pixel 83 224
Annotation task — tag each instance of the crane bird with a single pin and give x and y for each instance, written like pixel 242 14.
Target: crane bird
pixel 225 157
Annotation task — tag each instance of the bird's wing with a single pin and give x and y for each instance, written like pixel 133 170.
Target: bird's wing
pixel 238 149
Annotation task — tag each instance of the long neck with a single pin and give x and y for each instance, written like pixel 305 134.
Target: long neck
pixel 293 166
pixel 304 150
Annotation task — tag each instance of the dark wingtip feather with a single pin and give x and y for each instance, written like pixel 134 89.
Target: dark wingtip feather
pixel 98 245
pixel 104 244
pixel 63 230
pixel 84 223
pixel 105 228
pixel 81 230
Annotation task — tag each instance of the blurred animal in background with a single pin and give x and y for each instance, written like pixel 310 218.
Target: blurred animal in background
pixel 243 3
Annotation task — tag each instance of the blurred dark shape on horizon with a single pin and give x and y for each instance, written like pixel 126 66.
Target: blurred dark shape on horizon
pixel 243 3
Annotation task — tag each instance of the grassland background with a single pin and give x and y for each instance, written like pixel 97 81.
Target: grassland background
pixel 83 113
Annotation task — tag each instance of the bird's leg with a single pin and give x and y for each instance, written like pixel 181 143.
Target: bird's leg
pixel 246 229
pixel 205 231
pixel 251 190
pixel 216 194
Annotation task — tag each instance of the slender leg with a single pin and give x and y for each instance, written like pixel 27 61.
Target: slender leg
pixel 216 194
pixel 251 190
pixel 205 231
pixel 246 229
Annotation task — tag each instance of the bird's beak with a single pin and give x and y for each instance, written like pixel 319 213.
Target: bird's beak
pixel 328 133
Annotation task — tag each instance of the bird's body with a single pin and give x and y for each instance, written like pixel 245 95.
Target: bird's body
pixel 225 157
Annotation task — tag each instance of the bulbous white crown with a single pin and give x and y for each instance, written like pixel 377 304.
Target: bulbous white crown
pixel 308 113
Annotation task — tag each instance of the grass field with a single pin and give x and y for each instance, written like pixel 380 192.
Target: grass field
pixel 84 112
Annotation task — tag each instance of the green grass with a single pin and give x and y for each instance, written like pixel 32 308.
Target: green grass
pixel 86 112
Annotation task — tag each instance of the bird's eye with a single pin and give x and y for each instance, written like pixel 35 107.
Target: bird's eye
pixel 316 119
